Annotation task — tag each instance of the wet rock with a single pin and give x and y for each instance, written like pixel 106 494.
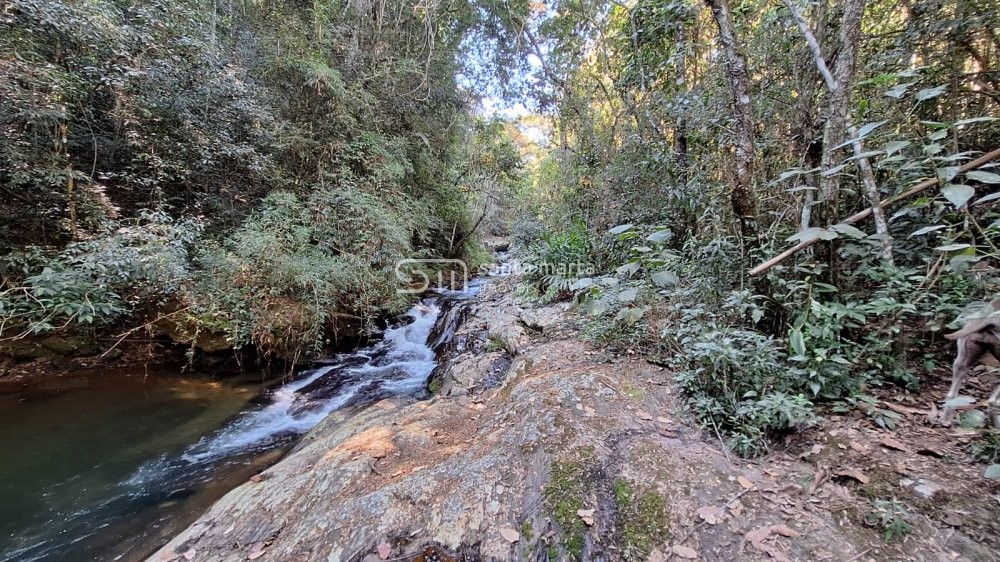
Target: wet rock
pixel 922 487
pixel 25 349
pixel 59 346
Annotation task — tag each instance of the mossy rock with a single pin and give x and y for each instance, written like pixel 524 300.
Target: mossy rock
pixel 564 495
pixel 642 519
pixel 59 346
pixel 185 330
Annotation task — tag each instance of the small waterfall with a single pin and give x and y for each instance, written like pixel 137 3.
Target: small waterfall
pixel 399 364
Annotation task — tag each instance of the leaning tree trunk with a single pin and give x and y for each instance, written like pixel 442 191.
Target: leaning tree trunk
pixel 742 197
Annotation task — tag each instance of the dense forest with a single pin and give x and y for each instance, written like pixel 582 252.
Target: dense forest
pixel 241 170
pixel 247 173
pixel 693 145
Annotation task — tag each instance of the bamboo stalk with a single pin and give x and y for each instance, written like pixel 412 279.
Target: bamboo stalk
pixel 927 183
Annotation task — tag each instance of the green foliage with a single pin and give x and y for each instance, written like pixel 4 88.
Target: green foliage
pixel 869 405
pixel 280 283
pixel 525 231
pixel 558 260
pixel 607 330
pixel 986 447
pixel 890 517
pixel 739 382
pixel 93 282
pixel 305 159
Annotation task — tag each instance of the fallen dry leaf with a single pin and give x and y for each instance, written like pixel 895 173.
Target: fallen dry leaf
pixel 383 550
pixel 736 508
pixel 644 415
pixel 510 535
pixel 855 474
pixel 786 531
pixel 858 447
pixel 894 444
pixel 684 551
pixel 711 514
pixel 952 519
pixel 758 536
pixel 816 449
pixel 745 482
pixel 587 515
pixel 905 410
pixel 256 551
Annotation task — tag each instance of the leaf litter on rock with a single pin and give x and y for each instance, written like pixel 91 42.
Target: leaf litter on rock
pixel 510 535
pixel 711 514
pixel 758 537
pixel 684 551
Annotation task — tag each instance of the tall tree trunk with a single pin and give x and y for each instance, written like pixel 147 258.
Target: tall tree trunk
pixel 742 197
pixel 681 130
pixel 840 83
pixel 840 93
pixel 807 144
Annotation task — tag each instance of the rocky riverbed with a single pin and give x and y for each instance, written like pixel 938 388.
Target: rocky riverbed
pixel 538 446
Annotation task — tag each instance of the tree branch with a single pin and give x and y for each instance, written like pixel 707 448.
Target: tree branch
pixel 923 185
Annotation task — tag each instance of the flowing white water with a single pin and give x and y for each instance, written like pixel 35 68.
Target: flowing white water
pixel 398 364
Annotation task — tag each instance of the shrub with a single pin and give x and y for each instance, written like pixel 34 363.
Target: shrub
pixel 280 282
pixel 738 382
pixel 130 264
pixel 986 448
pixel 559 260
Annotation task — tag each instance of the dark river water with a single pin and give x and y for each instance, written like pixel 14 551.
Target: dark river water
pixel 109 465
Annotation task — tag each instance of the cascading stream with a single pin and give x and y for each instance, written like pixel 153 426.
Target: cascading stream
pixel 399 364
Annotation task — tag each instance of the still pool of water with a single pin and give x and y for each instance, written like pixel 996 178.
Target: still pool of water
pixel 69 446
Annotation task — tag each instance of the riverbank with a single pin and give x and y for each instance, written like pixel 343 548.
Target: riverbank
pixel 538 446
pixel 110 463
pixel 33 358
